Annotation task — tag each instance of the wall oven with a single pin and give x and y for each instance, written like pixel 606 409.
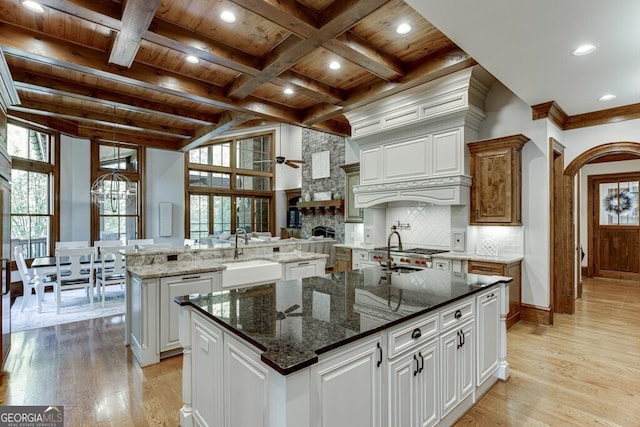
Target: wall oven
pixel 414 257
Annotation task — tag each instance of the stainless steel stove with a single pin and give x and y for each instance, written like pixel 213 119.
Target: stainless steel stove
pixel 417 257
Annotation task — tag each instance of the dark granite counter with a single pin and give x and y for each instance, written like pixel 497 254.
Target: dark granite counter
pixel 294 321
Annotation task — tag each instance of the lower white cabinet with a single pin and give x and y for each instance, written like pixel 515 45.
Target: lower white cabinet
pixel 488 321
pixel 175 286
pixel 346 387
pixel 456 365
pixel 413 387
pixel 302 269
pixel 358 256
pixel 207 353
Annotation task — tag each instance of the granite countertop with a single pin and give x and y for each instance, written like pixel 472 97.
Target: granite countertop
pixel 294 321
pixel 178 268
pixel 354 246
pixel 502 259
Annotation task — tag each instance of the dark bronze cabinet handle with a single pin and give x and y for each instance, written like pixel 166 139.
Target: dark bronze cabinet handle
pixel 380 359
pixel 459 340
pixel 415 372
pixel 417 333
pixel 462 337
pixel 422 359
pixel 458 314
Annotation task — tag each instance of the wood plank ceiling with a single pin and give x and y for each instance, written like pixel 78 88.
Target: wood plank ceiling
pixel 83 65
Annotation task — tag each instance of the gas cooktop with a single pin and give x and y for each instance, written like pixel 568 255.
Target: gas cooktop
pixel 418 251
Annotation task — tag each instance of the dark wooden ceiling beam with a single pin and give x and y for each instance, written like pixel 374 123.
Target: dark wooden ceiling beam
pixel 438 65
pixel 290 14
pixel 228 121
pixel 39 83
pixel 52 51
pixel 135 21
pixel 336 21
pixel 137 138
pixel 102 12
pixel 50 123
pixel 83 115
pixel 357 50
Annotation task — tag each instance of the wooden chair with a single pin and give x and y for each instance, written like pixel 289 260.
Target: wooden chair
pixel 112 269
pixel 29 283
pixel 78 274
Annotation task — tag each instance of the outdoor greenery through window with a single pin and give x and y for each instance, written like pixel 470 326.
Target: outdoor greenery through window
pixel 31 192
pixel 230 187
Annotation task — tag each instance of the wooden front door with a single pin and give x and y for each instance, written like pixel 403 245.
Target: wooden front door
pixel 616 232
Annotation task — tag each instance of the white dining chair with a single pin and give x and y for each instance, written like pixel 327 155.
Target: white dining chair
pixel 79 273
pixel 99 244
pixel 189 242
pixel 29 282
pixel 112 269
pixel 72 244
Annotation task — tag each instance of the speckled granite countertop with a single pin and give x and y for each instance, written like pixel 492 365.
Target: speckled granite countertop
pixel 294 321
pixel 178 268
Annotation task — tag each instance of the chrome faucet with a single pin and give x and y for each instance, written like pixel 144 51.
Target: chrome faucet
pixel 237 251
pixel 393 231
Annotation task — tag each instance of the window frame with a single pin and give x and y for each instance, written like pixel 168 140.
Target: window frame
pixel 137 177
pixel 52 167
pixel 232 191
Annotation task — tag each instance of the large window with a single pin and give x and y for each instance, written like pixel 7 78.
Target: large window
pixel 117 218
pixel 32 174
pixel 230 186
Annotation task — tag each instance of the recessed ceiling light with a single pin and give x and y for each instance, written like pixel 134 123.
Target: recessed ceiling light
pixel 228 17
pixel 585 49
pixel 334 65
pixel 403 28
pixel 288 91
pixel 607 97
pixel 192 59
pixel 33 6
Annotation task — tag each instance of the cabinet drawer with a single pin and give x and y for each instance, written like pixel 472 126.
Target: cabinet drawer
pixel 456 314
pixel 441 264
pixel 410 335
pixel 482 267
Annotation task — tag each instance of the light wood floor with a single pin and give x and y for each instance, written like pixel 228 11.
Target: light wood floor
pixel 585 370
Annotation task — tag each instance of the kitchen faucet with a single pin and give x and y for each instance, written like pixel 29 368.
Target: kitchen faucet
pixel 393 231
pixel 237 251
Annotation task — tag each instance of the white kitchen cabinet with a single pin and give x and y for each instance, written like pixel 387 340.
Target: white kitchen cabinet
pixel 302 269
pixel 346 387
pixel 487 322
pixel 175 286
pixel 413 387
pixel 441 264
pixel 456 366
pixel 207 363
pixel 245 386
pixel 358 256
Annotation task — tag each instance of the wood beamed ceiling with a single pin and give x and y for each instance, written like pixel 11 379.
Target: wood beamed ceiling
pixel 85 66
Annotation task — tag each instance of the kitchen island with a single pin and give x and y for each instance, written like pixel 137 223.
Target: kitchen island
pixel 344 349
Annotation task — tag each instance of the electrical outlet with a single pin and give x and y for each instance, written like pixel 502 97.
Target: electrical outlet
pixel 173 257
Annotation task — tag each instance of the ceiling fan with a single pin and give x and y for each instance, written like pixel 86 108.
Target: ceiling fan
pixel 289 312
pixel 280 160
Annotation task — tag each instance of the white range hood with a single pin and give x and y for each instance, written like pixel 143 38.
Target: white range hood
pixel 413 145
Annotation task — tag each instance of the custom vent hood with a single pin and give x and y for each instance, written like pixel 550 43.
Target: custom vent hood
pixel 413 144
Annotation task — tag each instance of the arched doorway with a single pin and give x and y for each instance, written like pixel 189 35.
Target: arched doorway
pixel 566 293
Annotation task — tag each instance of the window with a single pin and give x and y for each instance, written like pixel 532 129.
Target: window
pixel 116 218
pixel 32 173
pixel 230 186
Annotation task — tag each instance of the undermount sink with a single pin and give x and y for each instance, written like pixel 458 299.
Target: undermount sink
pixel 250 272
pixel 403 269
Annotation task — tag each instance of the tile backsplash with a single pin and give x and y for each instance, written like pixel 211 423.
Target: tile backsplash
pixel 429 226
pixel 510 240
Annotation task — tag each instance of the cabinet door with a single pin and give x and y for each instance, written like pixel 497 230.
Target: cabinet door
pixel 447 153
pixel 466 361
pixel 346 387
pixel 488 323
pixel 427 412
pixel 457 366
pixel 171 287
pixel 245 386
pixel 342 259
pixel 206 373
pixel 492 186
pixel 371 165
pixel 403 390
pixel 300 270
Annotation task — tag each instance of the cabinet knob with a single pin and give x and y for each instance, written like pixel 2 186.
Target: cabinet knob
pixel 457 314
pixel 417 333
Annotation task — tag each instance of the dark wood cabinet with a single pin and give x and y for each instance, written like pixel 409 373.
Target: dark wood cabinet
pixel 503 269
pixel 496 188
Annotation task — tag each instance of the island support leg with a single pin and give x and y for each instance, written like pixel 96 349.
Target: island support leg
pixel 503 365
pixel 186 412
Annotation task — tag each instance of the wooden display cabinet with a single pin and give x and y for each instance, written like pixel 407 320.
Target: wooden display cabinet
pixel 496 188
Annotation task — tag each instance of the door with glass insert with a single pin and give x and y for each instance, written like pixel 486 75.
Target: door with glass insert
pixel 616 231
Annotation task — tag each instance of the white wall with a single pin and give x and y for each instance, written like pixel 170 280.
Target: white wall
pixel 164 182
pixel 75 186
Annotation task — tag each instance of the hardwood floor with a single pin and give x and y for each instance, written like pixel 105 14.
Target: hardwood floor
pixel 582 371
pixel 86 367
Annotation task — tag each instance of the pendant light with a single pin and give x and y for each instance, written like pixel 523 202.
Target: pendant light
pixel 113 190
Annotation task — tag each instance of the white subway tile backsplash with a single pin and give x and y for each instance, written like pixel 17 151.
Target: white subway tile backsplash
pixel 430 226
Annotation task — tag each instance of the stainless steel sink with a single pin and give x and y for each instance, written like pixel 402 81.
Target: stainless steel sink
pixel 403 269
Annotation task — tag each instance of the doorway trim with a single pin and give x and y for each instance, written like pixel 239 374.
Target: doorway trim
pixel 567 291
